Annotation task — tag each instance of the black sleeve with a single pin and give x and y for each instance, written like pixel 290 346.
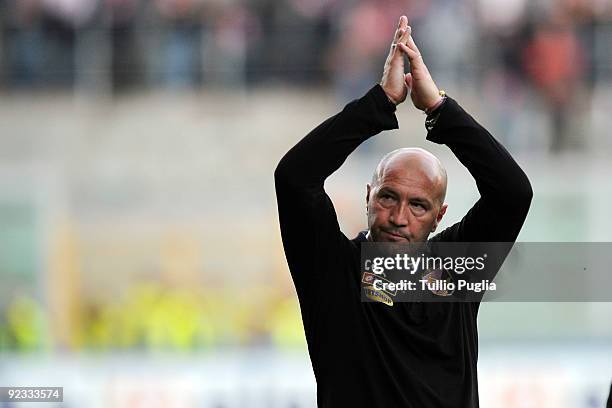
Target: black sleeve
pixel 309 227
pixel 505 191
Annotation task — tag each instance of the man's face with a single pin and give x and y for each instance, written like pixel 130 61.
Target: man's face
pixel 405 204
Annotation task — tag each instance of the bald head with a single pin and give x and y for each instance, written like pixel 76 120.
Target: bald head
pixel 413 162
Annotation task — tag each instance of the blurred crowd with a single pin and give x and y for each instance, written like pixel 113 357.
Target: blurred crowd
pixel 199 42
pixel 557 49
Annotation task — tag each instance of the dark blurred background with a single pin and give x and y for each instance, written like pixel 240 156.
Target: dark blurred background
pixel 140 256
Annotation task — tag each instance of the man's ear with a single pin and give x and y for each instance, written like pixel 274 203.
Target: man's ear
pixel 368 188
pixel 439 216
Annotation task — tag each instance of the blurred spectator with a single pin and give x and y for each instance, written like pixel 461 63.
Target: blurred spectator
pixel 555 65
pixel 450 61
pixel 363 33
pixel 500 39
pixel 181 49
pixel 303 32
pixel 235 30
pixel 126 62
pixel 362 30
pixel 61 21
pixel 288 40
pixel 23 41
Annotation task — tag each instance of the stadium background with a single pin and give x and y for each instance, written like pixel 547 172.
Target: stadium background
pixel 140 257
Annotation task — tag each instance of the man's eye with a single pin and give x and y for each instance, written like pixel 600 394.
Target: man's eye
pixel 386 200
pixel 418 207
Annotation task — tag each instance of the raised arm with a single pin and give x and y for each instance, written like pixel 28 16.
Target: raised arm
pixel 505 191
pixel 309 226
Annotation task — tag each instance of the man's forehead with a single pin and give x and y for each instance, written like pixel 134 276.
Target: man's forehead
pixel 415 179
pixel 412 168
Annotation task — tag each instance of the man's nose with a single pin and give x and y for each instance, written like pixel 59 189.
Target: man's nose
pixel 399 216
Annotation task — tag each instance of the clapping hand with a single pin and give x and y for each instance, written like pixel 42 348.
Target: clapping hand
pixel 418 82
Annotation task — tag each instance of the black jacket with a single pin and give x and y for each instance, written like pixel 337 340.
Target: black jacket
pixel 370 354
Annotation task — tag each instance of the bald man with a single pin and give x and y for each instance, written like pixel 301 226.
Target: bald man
pixel 369 354
pixel 416 177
